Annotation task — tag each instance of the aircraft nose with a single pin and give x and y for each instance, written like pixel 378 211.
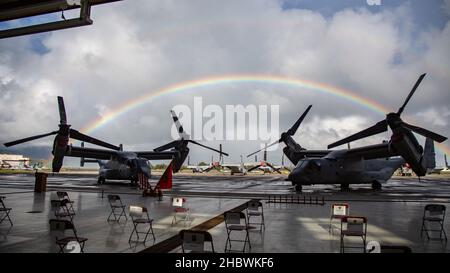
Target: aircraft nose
pixel 294 175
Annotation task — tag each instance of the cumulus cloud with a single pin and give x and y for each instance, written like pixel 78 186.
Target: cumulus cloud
pixel 137 48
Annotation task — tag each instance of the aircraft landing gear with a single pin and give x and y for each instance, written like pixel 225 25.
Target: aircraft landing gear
pixel 101 180
pixel 376 185
pixel 345 187
pixel 298 188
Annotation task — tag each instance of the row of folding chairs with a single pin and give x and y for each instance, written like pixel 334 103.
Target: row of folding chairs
pixel 240 223
pixel 237 224
pixel 138 214
pixel 64 212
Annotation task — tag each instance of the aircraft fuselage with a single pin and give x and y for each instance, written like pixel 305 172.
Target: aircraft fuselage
pixel 334 171
pixel 115 170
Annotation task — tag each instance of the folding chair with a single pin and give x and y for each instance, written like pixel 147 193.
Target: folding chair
pixel 194 241
pixel 338 211
pixel 116 204
pixel 433 213
pixel 253 209
pixel 233 223
pixel 180 209
pixel 64 195
pixel 355 226
pixel 137 214
pixel 61 209
pixel 62 226
pixel 5 211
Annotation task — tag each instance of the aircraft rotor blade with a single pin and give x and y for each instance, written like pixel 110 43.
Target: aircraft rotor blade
pixel 12 143
pixel 294 127
pixel 424 132
pixel 411 93
pixel 270 145
pixel 376 129
pixel 82 137
pixel 62 111
pixel 180 129
pixel 204 146
pixel 167 146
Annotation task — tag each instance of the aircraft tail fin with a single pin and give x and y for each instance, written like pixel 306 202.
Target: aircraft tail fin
pixel 429 154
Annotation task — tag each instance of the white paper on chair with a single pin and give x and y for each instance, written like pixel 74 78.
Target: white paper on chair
pixel 194 241
pixel 177 202
pixel 340 210
pixel 135 211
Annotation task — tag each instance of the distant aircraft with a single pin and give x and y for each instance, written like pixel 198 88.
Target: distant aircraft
pixel 236 168
pixel 115 164
pixel 264 165
pixel 199 168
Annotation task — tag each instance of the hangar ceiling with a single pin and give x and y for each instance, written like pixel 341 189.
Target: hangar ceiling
pixel 21 9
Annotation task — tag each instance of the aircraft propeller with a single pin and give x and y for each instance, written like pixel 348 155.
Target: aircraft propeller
pixel 184 139
pixel 61 140
pixel 289 132
pixel 394 121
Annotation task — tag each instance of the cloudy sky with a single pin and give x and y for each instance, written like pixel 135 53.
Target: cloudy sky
pixel 138 48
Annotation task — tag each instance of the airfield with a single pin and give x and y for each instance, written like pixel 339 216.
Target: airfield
pixel 394 213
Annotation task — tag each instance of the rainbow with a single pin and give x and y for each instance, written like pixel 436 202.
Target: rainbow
pixel 229 79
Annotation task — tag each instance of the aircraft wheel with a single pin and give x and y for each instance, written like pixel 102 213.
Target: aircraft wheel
pixel 345 186
pixel 298 188
pixel 376 185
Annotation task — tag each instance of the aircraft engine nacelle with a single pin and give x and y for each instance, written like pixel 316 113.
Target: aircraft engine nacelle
pixel 410 151
pixel 290 154
pixel 60 145
pixel 179 159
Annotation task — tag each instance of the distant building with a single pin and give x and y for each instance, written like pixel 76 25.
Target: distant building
pixel 14 161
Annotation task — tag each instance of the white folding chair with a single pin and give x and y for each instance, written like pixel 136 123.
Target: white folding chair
pixel 180 209
pixel 338 211
pixel 139 216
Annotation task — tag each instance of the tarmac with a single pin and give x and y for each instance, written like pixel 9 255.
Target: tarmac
pixel 294 223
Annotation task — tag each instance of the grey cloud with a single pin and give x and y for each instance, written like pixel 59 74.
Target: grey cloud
pixel 136 48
